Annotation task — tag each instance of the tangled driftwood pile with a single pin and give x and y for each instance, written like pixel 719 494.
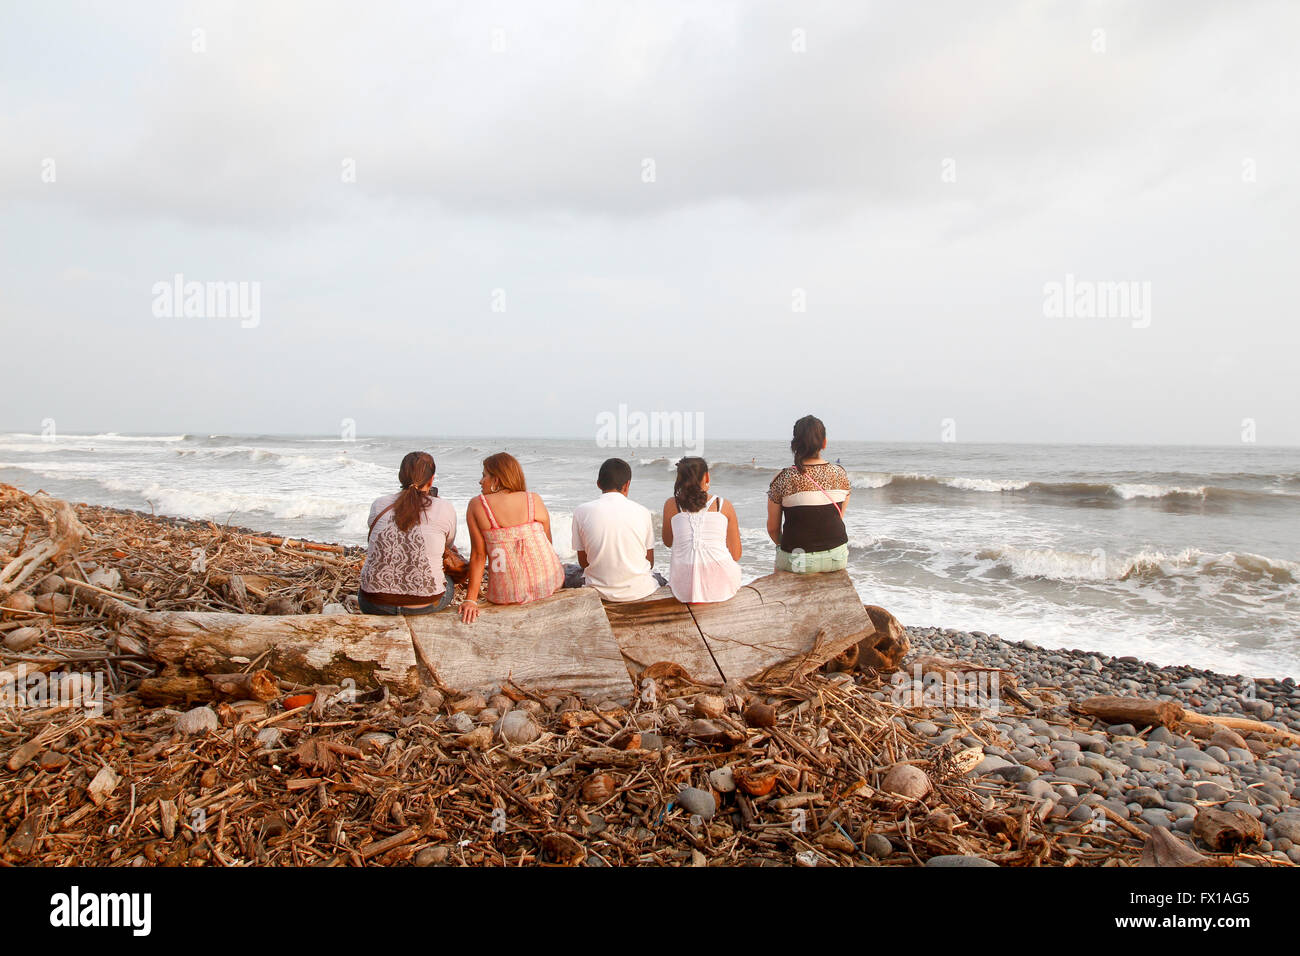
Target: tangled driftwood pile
pixel 245 767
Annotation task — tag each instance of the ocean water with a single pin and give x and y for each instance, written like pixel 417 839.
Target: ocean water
pixel 1176 555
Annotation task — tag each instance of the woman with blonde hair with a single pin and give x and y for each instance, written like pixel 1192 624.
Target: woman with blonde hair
pixel 510 527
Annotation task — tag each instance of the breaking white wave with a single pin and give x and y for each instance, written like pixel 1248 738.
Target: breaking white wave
pixel 1130 491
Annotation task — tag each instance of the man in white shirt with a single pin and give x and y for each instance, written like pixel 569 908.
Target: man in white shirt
pixel 615 540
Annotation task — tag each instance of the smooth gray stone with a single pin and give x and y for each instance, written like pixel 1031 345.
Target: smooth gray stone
pixel 1146 797
pixel 696 802
pixel 1157 817
pixel 1015 773
pixel 1118 807
pixel 1202 763
pixel 1103 764
pixel 1066 793
pixel 1211 791
pixel 1084 775
pixel 1066 747
pixel 1260 708
pixel 1038 789
pixel 956 860
pixel 1287 825
pixel 989 764
pixel 1145 764
pixel 1180 810
pixel 1161 735
pixel 1244 808
pixel 877 845
pixel 925 728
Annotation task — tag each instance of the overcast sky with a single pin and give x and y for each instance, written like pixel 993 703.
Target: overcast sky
pixel 914 174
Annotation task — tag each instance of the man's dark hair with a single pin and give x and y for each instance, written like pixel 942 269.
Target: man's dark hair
pixel 614 474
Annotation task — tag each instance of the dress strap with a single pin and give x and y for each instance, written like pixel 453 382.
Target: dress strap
pixel 531 519
pixel 492 519
pixel 708 505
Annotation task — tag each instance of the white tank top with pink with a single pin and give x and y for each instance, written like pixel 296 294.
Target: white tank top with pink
pixel 702 570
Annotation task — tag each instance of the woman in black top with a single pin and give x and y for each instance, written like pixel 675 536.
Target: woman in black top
pixel 805 506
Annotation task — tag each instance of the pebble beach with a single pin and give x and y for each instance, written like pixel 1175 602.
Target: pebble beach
pixel 1152 777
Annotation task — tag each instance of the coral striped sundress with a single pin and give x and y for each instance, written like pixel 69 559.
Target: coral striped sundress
pixel 522 564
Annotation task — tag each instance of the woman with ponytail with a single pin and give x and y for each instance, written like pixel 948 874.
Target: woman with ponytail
pixel 805 506
pixel 704 536
pixel 409 531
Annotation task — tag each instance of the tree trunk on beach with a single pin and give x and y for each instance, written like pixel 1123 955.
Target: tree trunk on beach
pixel 778 627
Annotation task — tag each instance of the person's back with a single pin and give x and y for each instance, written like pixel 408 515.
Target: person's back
pixel 806 504
pixel 409 531
pixel 510 532
pixel 702 569
pixel 614 538
pixel 704 536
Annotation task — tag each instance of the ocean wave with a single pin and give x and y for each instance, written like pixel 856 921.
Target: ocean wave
pixel 1129 492
pixel 114 436
pixel 1124 491
pixel 1145 566
pixel 260 455
pixel 201 502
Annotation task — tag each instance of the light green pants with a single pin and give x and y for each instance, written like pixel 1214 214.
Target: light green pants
pixel 813 562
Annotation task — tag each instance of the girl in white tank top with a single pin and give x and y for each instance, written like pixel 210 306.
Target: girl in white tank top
pixel 703 569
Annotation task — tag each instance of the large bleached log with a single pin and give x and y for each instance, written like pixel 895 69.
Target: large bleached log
pixel 307 648
pixel 778 627
pixel 784 625
pixel 562 644
pixel 659 639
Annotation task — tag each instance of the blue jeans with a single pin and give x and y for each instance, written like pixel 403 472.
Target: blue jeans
pixel 370 607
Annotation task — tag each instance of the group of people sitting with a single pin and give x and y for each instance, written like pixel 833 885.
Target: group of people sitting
pixel 413 531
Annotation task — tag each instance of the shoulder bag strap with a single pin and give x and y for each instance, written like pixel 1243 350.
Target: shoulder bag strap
pixel 376 521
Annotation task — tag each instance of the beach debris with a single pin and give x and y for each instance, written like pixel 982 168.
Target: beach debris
pixel 338 771
pixel 1162 848
pixel 1225 831
pixel 884 650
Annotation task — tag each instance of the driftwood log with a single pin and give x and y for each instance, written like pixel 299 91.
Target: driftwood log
pixel 1141 712
pixel 1137 711
pixel 778 627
